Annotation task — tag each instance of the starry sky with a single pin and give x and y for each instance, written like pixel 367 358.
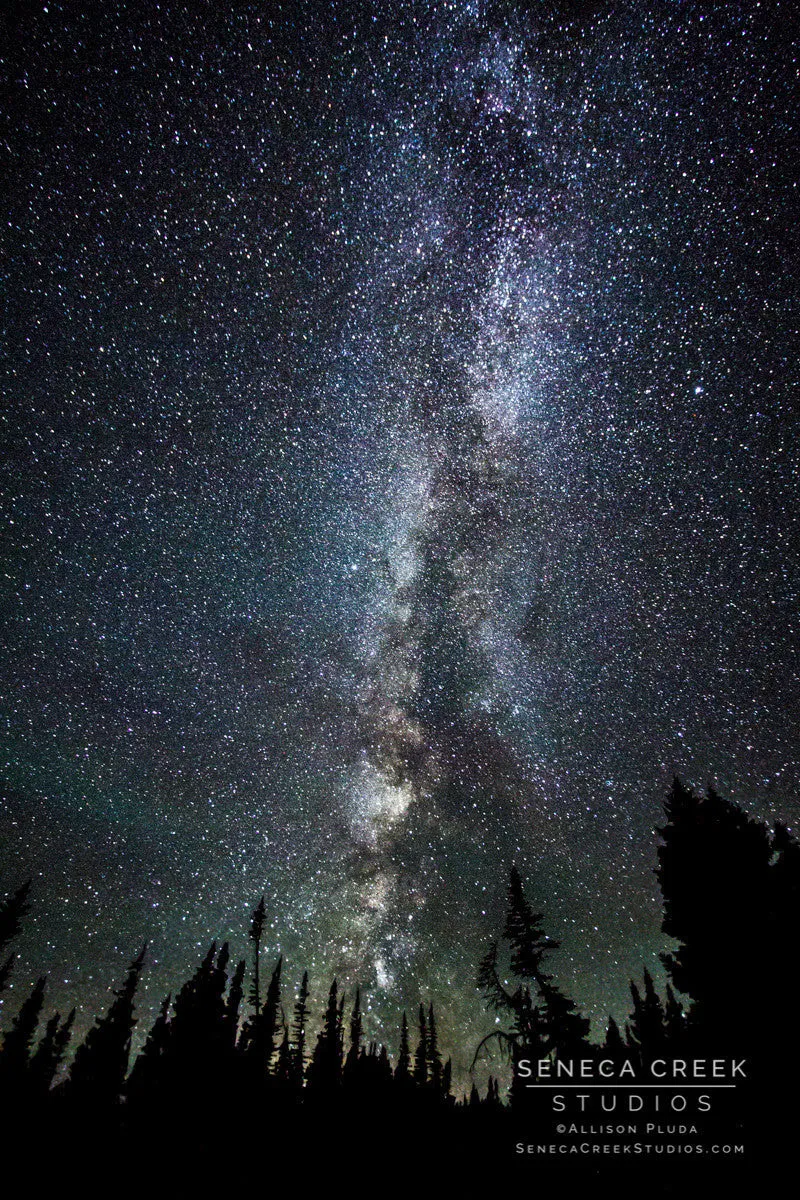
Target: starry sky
pixel 399 478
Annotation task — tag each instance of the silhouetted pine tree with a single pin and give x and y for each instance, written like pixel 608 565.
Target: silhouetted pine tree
pixel 402 1072
pixel 15 1057
pixel 256 933
pixel 199 1057
pixel 217 1001
pixel 447 1080
pixel 340 1028
pixel 326 1064
pixel 299 1035
pixel 147 1075
pixel 614 1044
pixel 526 1018
pixel 674 1019
pixel 190 1023
pixel 647 1024
pixel 354 1050
pixel 101 1061
pixel 517 1004
pixel 537 1029
pixel 524 933
pixel 433 1057
pixel 384 1071
pixel 284 1069
pixel 565 1028
pixel 269 1018
pixel 713 869
pixel 234 1002
pixel 421 1055
pixel 50 1052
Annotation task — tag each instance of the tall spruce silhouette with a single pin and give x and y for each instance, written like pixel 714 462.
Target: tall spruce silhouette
pixel 432 1054
pixel 299 1034
pixel 15 1059
pixel 647 1028
pixel 420 1075
pixel 234 1002
pixel 325 1071
pixel 447 1080
pixel 197 1052
pixel 256 934
pixel 402 1072
pixel 524 933
pixel 148 1077
pixel 714 865
pixel 98 1072
pixel 283 1070
pixel 49 1054
pixel 543 1018
pixel 731 892
pixel 269 1018
pixel 351 1065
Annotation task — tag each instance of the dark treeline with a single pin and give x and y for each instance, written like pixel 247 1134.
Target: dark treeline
pixel 229 1052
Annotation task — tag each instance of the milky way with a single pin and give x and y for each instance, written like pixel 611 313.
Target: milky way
pixel 400 478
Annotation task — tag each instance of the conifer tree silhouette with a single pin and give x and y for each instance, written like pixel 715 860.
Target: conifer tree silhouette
pixel 713 870
pixel 234 1002
pixel 614 1044
pixel 218 1009
pixel 256 933
pixel 49 1054
pixel 326 1064
pixel 564 1027
pixel 433 1057
pixel 383 1074
pixel 524 932
pixel 271 1014
pixel 15 1058
pixel 354 1050
pixel 674 1019
pixel 447 1079
pixel 402 1072
pixel 647 1024
pixel 284 1067
pixel 101 1061
pixel 299 1035
pixel 190 1023
pixel 340 1028
pixel 421 1055
pixel 147 1074
pixel 197 1052
pixel 537 1028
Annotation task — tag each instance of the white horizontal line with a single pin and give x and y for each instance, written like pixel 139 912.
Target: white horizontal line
pixel 679 1087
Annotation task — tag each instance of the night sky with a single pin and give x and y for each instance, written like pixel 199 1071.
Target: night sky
pixel 400 479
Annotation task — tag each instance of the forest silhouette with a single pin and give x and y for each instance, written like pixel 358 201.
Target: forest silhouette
pixel 228 1061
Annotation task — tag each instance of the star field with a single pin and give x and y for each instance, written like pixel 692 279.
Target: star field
pixel 400 478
